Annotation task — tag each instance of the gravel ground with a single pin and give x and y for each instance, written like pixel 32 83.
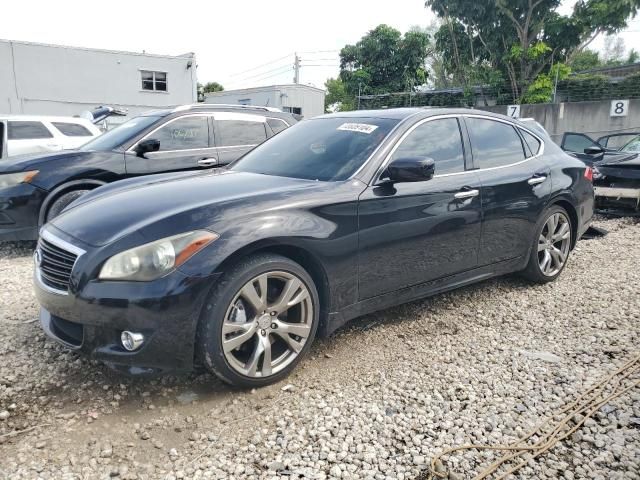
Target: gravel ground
pixel 483 364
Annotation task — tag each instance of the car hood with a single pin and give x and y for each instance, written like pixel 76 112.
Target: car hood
pixel 21 163
pixel 160 204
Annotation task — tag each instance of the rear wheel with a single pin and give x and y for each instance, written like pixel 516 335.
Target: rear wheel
pixel 551 246
pixel 62 202
pixel 259 321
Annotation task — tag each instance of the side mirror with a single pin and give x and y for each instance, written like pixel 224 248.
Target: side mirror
pixel 594 150
pixel 411 169
pixel 146 146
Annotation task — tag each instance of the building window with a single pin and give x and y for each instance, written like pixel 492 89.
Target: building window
pixel 154 81
pixel 296 110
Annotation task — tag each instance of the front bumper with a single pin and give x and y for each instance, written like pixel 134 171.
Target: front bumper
pixel 165 311
pixel 19 211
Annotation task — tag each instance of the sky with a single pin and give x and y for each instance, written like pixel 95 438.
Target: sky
pixel 239 43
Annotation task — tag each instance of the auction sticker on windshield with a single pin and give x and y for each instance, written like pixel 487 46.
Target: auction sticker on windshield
pixel 358 127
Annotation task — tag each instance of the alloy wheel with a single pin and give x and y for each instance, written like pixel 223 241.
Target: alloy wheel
pixel 267 324
pixel 553 244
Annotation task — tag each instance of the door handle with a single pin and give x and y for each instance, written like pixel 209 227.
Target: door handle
pixel 537 179
pixel 466 194
pixel 207 162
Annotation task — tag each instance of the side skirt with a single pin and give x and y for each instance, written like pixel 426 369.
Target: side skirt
pixel 415 292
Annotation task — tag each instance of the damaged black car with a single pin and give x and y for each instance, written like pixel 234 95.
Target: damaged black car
pixel 615 160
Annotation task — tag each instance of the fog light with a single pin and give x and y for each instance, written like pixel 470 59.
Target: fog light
pixel 131 341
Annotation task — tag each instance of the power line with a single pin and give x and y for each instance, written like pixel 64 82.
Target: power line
pixel 259 66
pixel 321 51
pixel 281 72
pixel 287 67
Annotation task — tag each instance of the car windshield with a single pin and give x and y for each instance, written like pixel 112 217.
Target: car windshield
pixel 120 135
pixel 633 146
pixel 325 149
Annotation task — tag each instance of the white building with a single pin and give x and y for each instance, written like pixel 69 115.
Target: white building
pixel 45 79
pixel 295 98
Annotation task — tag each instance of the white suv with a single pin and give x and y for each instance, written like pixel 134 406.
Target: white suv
pixel 37 134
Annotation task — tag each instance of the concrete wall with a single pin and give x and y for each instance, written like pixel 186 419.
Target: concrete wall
pixel 55 80
pixel 592 118
pixel 307 98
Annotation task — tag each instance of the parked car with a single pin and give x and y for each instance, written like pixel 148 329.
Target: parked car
pixel 616 167
pixel 34 189
pixel 29 134
pixel 608 146
pixel 335 217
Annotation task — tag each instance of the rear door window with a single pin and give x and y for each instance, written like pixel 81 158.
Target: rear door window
pixel 26 130
pixel 72 129
pixel 437 139
pixel 232 133
pixel 494 144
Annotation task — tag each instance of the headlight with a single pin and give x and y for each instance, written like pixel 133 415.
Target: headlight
pixel 153 260
pixel 11 179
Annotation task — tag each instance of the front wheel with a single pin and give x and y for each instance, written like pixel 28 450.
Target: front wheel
pixel 259 321
pixel 551 246
pixel 60 203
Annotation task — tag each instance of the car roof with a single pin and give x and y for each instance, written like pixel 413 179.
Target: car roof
pixel 212 107
pixel 403 113
pixel 46 118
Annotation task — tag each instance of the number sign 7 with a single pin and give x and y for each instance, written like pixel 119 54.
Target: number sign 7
pixel 513 111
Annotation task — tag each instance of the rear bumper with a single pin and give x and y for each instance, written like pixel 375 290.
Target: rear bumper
pixel 617 199
pixel 19 210
pixel 165 311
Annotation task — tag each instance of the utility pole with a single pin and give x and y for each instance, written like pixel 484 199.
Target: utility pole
pixel 359 93
pixel 555 85
pixel 296 69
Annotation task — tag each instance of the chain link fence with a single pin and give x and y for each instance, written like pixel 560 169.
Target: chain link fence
pixel 576 88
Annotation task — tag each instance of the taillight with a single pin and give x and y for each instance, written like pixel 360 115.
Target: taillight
pixel 588 174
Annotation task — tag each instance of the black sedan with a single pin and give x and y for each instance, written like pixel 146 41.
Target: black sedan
pixel 36 188
pixel 239 269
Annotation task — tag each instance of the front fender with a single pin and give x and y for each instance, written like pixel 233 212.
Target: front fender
pixel 327 235
pixel 73 185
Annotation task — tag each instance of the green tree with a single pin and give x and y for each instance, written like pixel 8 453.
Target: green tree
pixel 542 88
pixel 585 60
pixel 523 38
pixel 212 87
pixel 337 99
pixel 384 61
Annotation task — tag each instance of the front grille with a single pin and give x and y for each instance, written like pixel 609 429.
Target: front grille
pixel 55 265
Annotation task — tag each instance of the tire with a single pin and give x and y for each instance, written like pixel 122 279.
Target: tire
pixel 252 333
pixel 550 252
pixel 62 202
